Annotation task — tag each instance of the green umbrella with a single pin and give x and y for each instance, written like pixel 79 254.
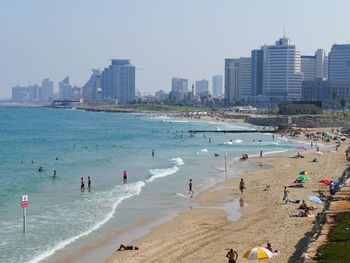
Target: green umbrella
pixel 303 177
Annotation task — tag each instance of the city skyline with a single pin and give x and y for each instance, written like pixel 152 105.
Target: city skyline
pixel 39 44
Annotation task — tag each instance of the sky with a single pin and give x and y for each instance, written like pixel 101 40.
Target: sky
pixel 162 38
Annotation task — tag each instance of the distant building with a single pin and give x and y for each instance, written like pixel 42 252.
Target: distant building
pixel 257 66
pixel 76 93
pixel 46 94
pixel 282 75
pixel 65 89
pixel 202 88
pixel 179 85
pixel 314 67
pixel 231 80
pixel 339 63
pixel 161 95
pixel 300 107
pixel 217 86
pixel 93 87
pixel 244 77
pixel 25 93
pixel 118 81
pixel 237 79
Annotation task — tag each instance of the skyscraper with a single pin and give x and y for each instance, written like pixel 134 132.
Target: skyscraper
pixel 179 85
pixel 92 88
pixel 257 65
pixel 118 81
pixel 339 62
pixel 65 89
pixel 46 90
pixel 217 86
pixel 231 80
pixel 313 67
pixel 244 77
pixel 282 75
pixel 202 87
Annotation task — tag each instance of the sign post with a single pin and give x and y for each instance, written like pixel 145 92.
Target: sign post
pixel 225 161
pixel 24 205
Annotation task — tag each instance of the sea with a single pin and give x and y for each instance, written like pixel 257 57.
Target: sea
pixel 101 145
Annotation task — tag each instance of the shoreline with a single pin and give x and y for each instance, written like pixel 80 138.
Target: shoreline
pixel 208 227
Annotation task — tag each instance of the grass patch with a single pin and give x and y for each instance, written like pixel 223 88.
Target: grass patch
pixel 338 250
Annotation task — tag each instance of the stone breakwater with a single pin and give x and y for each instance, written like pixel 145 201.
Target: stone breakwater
pixel 303 121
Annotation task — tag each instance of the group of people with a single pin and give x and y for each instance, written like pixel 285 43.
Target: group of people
pixel 232 255
pixel 82 184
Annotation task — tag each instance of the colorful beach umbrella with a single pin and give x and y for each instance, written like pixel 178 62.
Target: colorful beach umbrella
pixel 315 199
pixel 325 181
pixel 303 178
pixel 258 253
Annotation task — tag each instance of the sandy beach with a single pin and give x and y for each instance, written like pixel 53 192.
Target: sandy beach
pixel 204 233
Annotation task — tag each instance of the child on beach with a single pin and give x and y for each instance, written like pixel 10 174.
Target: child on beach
pixel 241 186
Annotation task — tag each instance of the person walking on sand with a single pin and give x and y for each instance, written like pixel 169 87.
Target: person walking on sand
pixel 285 195
pixel 89 183
pixel 190 191
pixel 82 185
pixel 261 154
pixel 241 186
pixel 125 176
pixel 232 256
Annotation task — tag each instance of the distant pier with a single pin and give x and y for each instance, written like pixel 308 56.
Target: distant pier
pixel 234 131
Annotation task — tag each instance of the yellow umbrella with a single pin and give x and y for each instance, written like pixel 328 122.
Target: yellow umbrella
pixel 258 253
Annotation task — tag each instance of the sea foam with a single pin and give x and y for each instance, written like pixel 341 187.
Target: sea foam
pixel 177 161
pixel 159 173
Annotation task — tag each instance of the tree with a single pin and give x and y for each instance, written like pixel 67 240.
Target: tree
pixel 343 103
pixel 334 96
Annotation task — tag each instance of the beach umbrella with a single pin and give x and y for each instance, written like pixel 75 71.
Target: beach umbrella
pixel 258 253
pixel 303 178
pixel 301 147
pixel 315 199
pixel 325 181
pixel 336 182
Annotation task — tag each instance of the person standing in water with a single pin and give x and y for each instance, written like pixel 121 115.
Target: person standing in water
pixel 89 183
pixel 125 176
pixel 190 191
pixel 261 154
pixel 153 153
pixel 54 173
pixel 82 186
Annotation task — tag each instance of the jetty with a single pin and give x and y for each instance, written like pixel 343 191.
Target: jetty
pixel 236 131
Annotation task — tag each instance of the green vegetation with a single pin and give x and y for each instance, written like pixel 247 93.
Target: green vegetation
pixel 339 237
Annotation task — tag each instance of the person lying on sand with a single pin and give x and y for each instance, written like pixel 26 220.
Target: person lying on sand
pixel 269 247
pixel 305 213
pixel 232 256
pixel 305 206
pixel 131 247
pixel 296 186
pixel 298 181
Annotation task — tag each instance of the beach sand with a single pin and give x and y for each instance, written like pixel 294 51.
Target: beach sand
pixel 205 234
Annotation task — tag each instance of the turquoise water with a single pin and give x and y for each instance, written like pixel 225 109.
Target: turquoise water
pixel 101 145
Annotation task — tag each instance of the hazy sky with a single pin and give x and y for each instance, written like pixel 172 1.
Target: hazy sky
pixel 184 38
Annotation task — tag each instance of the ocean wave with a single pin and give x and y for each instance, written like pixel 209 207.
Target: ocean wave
pixel 204 150
pixel 177 161
pixel 128 191
pixel 159 173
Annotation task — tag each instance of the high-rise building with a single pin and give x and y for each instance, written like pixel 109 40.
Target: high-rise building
pixel 46 90
pixel 339 63
pixel 217 86
pixel 282 75
pixel 92 88
pixel 231 80
pixel 76 93
pixel 237 79
pixel 244 78
pixel 25 93
pixel 65 89
pixel 179 85
pixel 257 66
pixel 202 87
pixel 313 67
pixel 118 81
